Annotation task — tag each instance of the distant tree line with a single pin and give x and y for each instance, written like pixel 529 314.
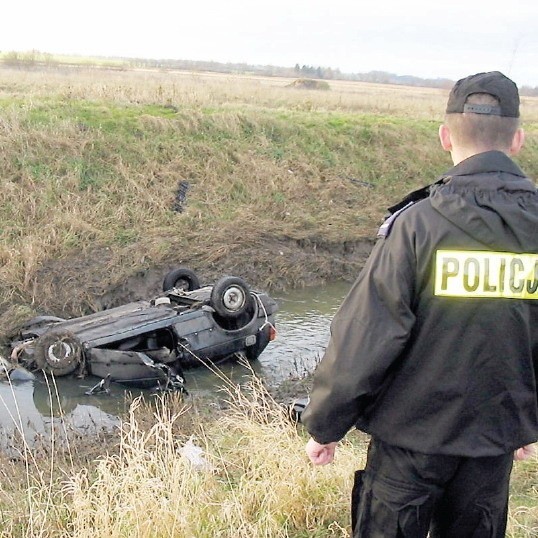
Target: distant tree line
pixel 28 59
pixel 529 91
pixel 215 67
pixel 327 73
pixel 36 59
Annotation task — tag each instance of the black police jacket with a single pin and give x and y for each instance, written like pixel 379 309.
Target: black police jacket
pixel 435 348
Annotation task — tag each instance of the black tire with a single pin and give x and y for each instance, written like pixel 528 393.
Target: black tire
pixel 58 352
pixel 231 297
pixel 182 278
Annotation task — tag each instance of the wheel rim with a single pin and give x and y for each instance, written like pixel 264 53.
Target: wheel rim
pixel 233 298
pixel 182 284
pixel 59 353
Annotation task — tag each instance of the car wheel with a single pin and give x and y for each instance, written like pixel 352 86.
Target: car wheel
pixel 182 278
pixel 230 297
pixel 58 352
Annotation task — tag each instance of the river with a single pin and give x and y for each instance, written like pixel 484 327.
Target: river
pixel 34 409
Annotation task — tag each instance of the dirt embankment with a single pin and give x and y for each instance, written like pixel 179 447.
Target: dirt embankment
pixel 90 283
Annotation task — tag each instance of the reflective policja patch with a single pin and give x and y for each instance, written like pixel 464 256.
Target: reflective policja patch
pixel 461 273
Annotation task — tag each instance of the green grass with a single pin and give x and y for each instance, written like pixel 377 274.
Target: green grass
pixel 91 170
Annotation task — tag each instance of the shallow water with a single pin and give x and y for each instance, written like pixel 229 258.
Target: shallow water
pixel 32 408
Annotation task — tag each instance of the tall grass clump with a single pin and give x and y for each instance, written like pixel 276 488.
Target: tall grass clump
pixel 176 471
pixel 254 480
pixel 523 513
pixel 34 464
pixel 247 477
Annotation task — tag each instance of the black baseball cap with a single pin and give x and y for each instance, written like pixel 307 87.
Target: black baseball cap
pixel 494 83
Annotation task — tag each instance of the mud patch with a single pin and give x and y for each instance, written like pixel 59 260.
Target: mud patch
pixel 310 84
pixel 99 280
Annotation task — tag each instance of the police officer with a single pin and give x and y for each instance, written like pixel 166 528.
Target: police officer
pixel 434 352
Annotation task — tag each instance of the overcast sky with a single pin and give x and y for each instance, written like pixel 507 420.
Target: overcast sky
pixel 407 37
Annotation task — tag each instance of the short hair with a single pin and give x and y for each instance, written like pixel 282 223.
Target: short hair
pixel 482 131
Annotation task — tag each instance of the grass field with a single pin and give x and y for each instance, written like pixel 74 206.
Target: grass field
pixel 91 162
pixel 92 159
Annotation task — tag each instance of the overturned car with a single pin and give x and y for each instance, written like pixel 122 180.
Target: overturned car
pixel 150 343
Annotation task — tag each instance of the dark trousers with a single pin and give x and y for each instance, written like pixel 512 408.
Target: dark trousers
pixel 402 493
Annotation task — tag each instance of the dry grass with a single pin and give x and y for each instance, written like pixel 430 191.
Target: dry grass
pixel 192 89
pixel 91 162
pixel 523 516
pixel 34 467
pixel 253 479
pixel 230 91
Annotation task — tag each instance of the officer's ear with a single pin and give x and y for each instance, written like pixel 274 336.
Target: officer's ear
pixel 517 142
pixel 445 138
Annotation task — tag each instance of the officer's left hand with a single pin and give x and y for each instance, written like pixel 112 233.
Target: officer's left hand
pixel 524 453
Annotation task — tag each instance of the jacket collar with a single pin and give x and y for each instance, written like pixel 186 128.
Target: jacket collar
pixel 489 161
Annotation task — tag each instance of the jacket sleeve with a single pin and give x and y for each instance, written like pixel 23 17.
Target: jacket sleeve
pixel 533 324
pixel 368 333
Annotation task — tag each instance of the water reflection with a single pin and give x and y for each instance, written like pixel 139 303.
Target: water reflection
pixel 35 409
pixel 303 324
pixel 32 412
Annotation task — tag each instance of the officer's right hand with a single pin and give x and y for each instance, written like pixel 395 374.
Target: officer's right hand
pixel 320 454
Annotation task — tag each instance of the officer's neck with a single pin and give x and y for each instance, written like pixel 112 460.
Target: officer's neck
pixel 460 154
